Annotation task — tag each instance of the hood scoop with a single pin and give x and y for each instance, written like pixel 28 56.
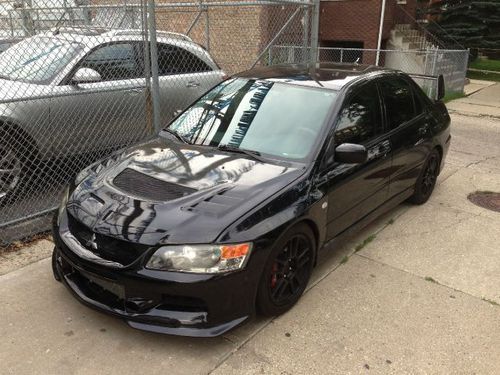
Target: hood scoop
pixel 221 202
pixel 149 188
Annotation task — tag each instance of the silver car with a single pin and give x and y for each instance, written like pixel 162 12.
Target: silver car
pixel 72 91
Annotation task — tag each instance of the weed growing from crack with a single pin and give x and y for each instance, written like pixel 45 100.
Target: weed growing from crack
pixel 365 242
pixel 428 278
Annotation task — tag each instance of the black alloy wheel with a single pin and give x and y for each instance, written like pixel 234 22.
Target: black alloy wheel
pixel 427 179
pixel 287 271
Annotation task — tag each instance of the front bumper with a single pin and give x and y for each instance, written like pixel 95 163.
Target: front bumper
pixel 158 301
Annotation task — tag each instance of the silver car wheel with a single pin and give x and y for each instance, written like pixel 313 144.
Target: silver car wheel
pixel 10 170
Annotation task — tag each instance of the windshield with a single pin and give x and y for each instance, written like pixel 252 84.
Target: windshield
pixel 37 59
pixel 271 118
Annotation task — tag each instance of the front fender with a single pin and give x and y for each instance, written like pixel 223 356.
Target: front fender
pixel 267 222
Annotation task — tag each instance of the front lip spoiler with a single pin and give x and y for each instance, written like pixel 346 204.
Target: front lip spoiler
pixel 186 331
pixel 175 325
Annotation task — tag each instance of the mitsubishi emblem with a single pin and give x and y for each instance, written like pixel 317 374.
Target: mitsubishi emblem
pixel 92 242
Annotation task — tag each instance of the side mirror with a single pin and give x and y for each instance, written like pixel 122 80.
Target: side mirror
pixel 440 88
pixel 86 75
pixel 350 153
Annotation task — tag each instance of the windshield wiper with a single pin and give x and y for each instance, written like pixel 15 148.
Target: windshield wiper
pixel 253 154
pixel 5 77
pixel 176 135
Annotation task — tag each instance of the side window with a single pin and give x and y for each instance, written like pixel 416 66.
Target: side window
pixel 398 99
pixel 115 61
pixel 176 60
pixel 360 120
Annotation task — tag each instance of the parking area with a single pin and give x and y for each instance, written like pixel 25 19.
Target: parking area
pixel 417 291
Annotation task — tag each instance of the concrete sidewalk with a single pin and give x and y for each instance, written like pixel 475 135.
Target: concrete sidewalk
pixel 421 297
pixel 484 100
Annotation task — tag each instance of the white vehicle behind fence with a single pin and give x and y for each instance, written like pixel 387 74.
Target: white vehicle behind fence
pixel 71 91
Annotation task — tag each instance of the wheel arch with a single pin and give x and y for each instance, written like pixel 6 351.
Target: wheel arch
pixel 14 130
pixel 315 229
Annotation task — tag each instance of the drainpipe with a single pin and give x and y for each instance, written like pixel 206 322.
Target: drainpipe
pixel 380 31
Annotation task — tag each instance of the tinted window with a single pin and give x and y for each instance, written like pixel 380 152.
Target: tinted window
pixel 116 61
pixel 398 100
pixel 361 119
pixel 269 117
pixel 176 60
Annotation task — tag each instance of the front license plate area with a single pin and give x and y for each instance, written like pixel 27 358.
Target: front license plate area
pixel 108 285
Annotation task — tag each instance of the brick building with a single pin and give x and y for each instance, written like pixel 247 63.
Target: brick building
pixel 355 23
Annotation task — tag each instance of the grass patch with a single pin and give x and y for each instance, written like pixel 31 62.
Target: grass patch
pixel 484 76
pixel 485 64
pixel 452 96
pixel 430 279
pixel 365 242
pixel 344 259
pixel 494 303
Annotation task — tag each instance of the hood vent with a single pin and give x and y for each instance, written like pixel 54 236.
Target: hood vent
pixel 218 204
pixel 141 185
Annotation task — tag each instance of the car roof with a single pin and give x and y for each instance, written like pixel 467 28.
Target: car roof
pixel 92 37
pixel 333 76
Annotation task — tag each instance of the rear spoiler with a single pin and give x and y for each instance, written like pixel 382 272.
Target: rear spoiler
pixel 433 86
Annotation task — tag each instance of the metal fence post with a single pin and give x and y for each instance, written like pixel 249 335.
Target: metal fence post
pixel 305 42
pixel 155 83
pixel 27 20
pixel 434 62
pixel 314 32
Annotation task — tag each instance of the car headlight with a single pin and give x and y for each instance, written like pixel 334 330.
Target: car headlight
pixel 200 258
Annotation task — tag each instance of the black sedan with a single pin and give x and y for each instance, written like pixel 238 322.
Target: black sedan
pixel 223 214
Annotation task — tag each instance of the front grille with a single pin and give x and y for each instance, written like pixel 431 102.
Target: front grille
pixel 144 186
pixel 106 247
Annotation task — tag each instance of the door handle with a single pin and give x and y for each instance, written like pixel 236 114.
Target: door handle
pixel 192 84
pixel 135 91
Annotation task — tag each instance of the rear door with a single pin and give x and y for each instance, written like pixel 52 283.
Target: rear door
pixel 409 128
pixel 183 77
pixel 355 190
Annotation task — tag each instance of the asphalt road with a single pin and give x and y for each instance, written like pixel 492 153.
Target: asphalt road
pixel 422 297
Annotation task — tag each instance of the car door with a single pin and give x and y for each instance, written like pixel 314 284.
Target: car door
pixel 355 190
pixel 409 131
pixel 183 78
pixel 108 113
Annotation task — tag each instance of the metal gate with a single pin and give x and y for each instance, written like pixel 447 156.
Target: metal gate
pixel 83 78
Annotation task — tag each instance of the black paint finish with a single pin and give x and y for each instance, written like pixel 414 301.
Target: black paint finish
pixel 168 192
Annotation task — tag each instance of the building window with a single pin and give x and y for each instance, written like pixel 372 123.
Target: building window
pixel 342 51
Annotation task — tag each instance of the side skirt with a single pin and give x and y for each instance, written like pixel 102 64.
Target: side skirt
pixel 356 227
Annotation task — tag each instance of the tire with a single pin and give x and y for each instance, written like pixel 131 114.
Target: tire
pixel 427 180
pixel 287 271
pixel 55 272
pixel 13 167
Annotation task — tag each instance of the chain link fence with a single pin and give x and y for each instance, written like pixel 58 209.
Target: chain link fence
pixel 452 64
pixel 84 78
